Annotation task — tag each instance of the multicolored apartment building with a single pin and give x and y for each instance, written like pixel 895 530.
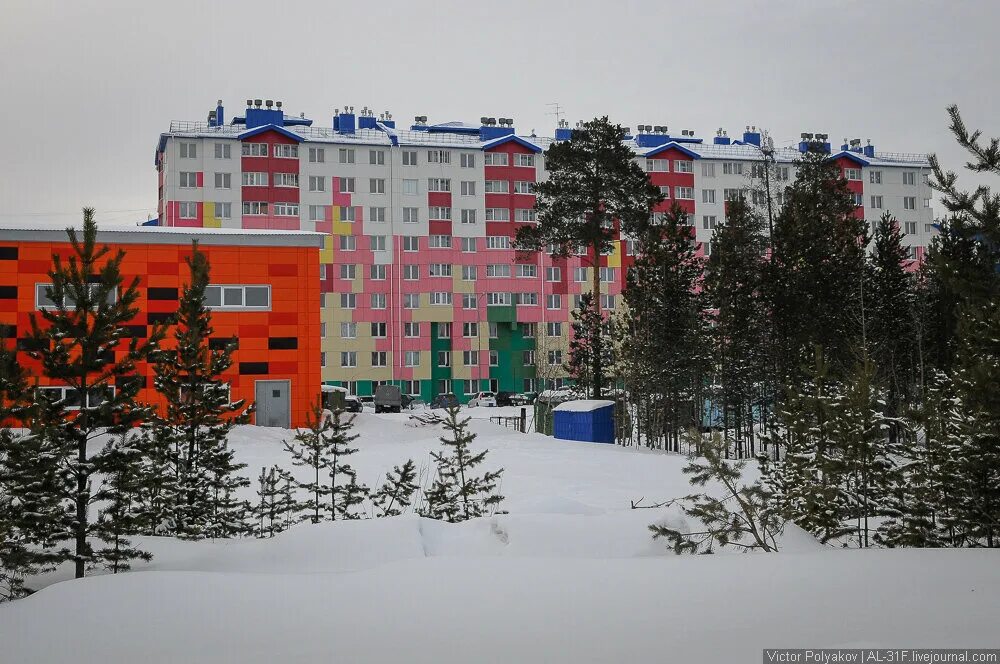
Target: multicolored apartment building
pixel 420 283
pixel 264 290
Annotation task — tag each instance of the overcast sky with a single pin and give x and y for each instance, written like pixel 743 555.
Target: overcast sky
pixel 87 87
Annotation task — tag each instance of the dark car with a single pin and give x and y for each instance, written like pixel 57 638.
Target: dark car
pixel 352 404
pixel 505 398
pixel 444 401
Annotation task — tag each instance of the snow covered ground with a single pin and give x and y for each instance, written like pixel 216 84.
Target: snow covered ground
pixel 569 575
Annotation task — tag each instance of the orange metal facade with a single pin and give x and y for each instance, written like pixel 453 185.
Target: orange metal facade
pixel 282 343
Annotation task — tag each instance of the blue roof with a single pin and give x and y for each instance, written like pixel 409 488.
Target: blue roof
pixel 453 128
pixel 854 156
pixel 249 133
pixel 673 145
pixel 511 137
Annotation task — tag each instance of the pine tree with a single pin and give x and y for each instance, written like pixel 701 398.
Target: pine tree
pixel 80 345
pixel 276 502
pixel 396 493
pixel 199 415
pixel 734 288
pixel 664 303
pixel 457 494
pixel 120 517
pixel 346 494
pixel 157 493
pixel 588 327
pixel 313 449
pixel 593 181
pixel 744 515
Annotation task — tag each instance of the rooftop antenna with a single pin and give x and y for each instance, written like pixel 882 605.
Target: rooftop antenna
pixel 557 111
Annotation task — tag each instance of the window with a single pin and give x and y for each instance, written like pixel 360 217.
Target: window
pixel 684 193
pixel 410 187
pixel 553 301
pixel 467 160
pixel 529 330
pixel 317 155
pixel 526 215
pixel 580 274
pixel 708 221
pixel 286 151
pixel 411 215
pixel 781 172
pixel 377 301
pixel 469 386
pixel 376 214
pixel 494 358
pixel 438 184
pixel 346 155
pixel 378 330
pixel 443 358
pixel 910 227
pixel 498 270
pixel 468 245
pixel 757 170
pixel 411 272
pixel 555 358
pixel 527 271
pixel 223 210
pixel 468 216
pixel 928 228
pixel 348 271
pixel 238 297
pixel 253 207
pixel 733 194
pixel 444 330
pixel 43 301
pixel 71 397
pixel 707 247
pixel 527 299
pixel 467 188
pixel 875 177
pixel 630 247
pixel 528 358
pixel 348 243
pixel 495 159
pixel 223 151
pixel 377 272
pixel 852 173
pixel 468 273
pixel 376 157
pixel 859 199
pixel 524 187
pixel 708 195
pixel 469 301
pixel 380 358
pixel 322 271
pixel 348 330
pixel 411 300
pixel 189 180
pixel 349 358
pixel 607 274
pixel 708 169
pixel 909 177
pixel 524 160
pixel 377 243
pixel 607 302
pixel 348 300
pixel 438 212
pixel 498 299
pixel 927 202
pixel 439 269
pixel 347 185
pixel 254 149
pixel 656 165
pixel 189 209
pixel 470 330
pixel 317 213
pixel 411 243
pixel 439 242
pixel 411 358
pixel 683 166
pixel 411 330
pixel 252 179
pixel 223 180
pixel 376 185
pixel 909 202
pixel 732 168
pixel 497 214
pixel 286 179
pixel 553 274
pixel 348 214
pixel 286 209
pixel 876 202
pixel 438 156
pixel 317 183
pixel 553 329
pixel 189 150
pixel 409 157
pixel 470 358
pixel 322 359
pixel 496 186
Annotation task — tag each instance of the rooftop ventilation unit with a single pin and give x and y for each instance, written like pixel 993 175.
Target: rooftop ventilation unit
pixel 249 103
pixel 277 104
pixel 257 102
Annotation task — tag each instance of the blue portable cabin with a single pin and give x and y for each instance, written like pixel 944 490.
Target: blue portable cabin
pixel 588 420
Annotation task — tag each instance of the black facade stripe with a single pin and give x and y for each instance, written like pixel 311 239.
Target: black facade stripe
pixel 8 331
pixel 8 253
pixel 8 292
pixel 138 331
pixel 282 343
pixel 165 318
pixel 253 368
pixel 127 380
pixel 29 344
pixel 161 293
pixel 220 343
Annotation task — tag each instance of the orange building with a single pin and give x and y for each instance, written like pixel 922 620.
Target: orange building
pixel 264 290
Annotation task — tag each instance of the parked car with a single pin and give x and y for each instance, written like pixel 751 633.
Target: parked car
pixel 388 399
pixel 523 399
pixel 352 404
pixel 505 398
pixel 444 401
pixel 483 399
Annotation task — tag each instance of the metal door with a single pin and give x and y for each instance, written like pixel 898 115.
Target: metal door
pixel 273 403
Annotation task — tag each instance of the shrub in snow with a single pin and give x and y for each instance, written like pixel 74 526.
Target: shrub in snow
pixel 396 494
